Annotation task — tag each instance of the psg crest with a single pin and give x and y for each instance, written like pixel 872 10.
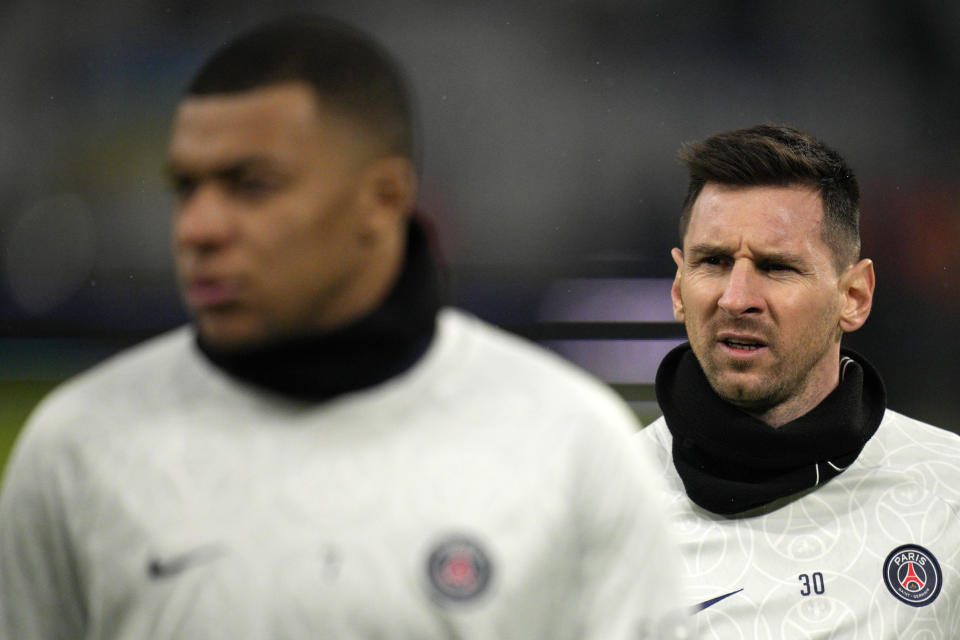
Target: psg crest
pixel 913 575
pixel 458 568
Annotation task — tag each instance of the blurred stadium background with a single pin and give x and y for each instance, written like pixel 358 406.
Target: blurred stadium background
pixel 549 136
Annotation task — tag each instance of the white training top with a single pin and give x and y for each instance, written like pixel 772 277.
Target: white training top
pixel 873 554
pixel 492 491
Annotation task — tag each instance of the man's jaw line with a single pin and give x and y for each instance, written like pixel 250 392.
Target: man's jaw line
pixel 774 409
pixel 734 382
pixel 736 395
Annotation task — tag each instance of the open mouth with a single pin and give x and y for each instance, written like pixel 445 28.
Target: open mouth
pixel 743 345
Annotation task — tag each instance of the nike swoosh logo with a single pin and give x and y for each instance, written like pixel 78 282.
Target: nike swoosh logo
pixel 159 568
pixel 712 601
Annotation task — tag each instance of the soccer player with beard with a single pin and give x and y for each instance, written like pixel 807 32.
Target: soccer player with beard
pixel 804 507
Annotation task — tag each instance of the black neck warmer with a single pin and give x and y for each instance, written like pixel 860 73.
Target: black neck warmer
pixel 731 462
pixel 379 346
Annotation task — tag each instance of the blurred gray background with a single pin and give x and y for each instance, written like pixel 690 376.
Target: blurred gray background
pixel 549 132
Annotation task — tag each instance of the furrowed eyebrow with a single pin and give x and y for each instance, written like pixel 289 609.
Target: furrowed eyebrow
pixel 783 257
pixel 705 249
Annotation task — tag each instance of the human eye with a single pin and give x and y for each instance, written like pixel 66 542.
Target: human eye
pixel 715 260
pixel 775 266
pixel 182 186
pixel 252 186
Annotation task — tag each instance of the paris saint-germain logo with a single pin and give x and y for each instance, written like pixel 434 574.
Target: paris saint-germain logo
pixel 913 575
pixel 458 568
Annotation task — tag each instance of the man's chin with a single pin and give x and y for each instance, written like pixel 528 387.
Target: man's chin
pixel 744 393
pixel 228 336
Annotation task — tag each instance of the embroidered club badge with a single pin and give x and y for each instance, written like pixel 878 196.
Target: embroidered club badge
pixel 912 574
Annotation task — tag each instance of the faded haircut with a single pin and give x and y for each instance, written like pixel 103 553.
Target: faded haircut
pixel 347 70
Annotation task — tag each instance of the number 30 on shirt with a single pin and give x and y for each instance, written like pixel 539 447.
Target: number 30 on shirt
pixel 812 583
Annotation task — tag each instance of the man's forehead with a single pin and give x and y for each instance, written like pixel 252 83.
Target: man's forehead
pixel 790 209
pixel 254 118
pixel 282 121
pixel 288 99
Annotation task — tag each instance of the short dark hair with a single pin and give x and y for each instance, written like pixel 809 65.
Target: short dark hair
pixel 345 67
pixel 777 155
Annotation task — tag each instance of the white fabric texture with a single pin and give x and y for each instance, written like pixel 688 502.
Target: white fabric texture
pixel 155 497
pixel 812 566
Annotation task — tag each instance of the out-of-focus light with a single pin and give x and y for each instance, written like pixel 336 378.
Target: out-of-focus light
pixel 616 361
pixel 49 252
pixel 608 300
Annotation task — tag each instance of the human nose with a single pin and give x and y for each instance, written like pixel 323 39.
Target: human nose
pixel 203 219
pixel 741 293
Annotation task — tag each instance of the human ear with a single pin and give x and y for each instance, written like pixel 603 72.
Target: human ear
pixel 856 291
pixel 388 193
pixel 677 255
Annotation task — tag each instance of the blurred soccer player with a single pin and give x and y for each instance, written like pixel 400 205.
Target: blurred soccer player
pixel 325 452
pixel 806 508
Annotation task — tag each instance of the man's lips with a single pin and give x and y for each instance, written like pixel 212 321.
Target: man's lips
pixel 741 344
pixel 208 293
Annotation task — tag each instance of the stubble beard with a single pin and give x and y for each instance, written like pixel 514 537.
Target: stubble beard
pixel 769 388
pixel 770 391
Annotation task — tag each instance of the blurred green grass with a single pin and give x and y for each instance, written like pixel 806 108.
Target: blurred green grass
pixel 31 367
pixel 17 399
